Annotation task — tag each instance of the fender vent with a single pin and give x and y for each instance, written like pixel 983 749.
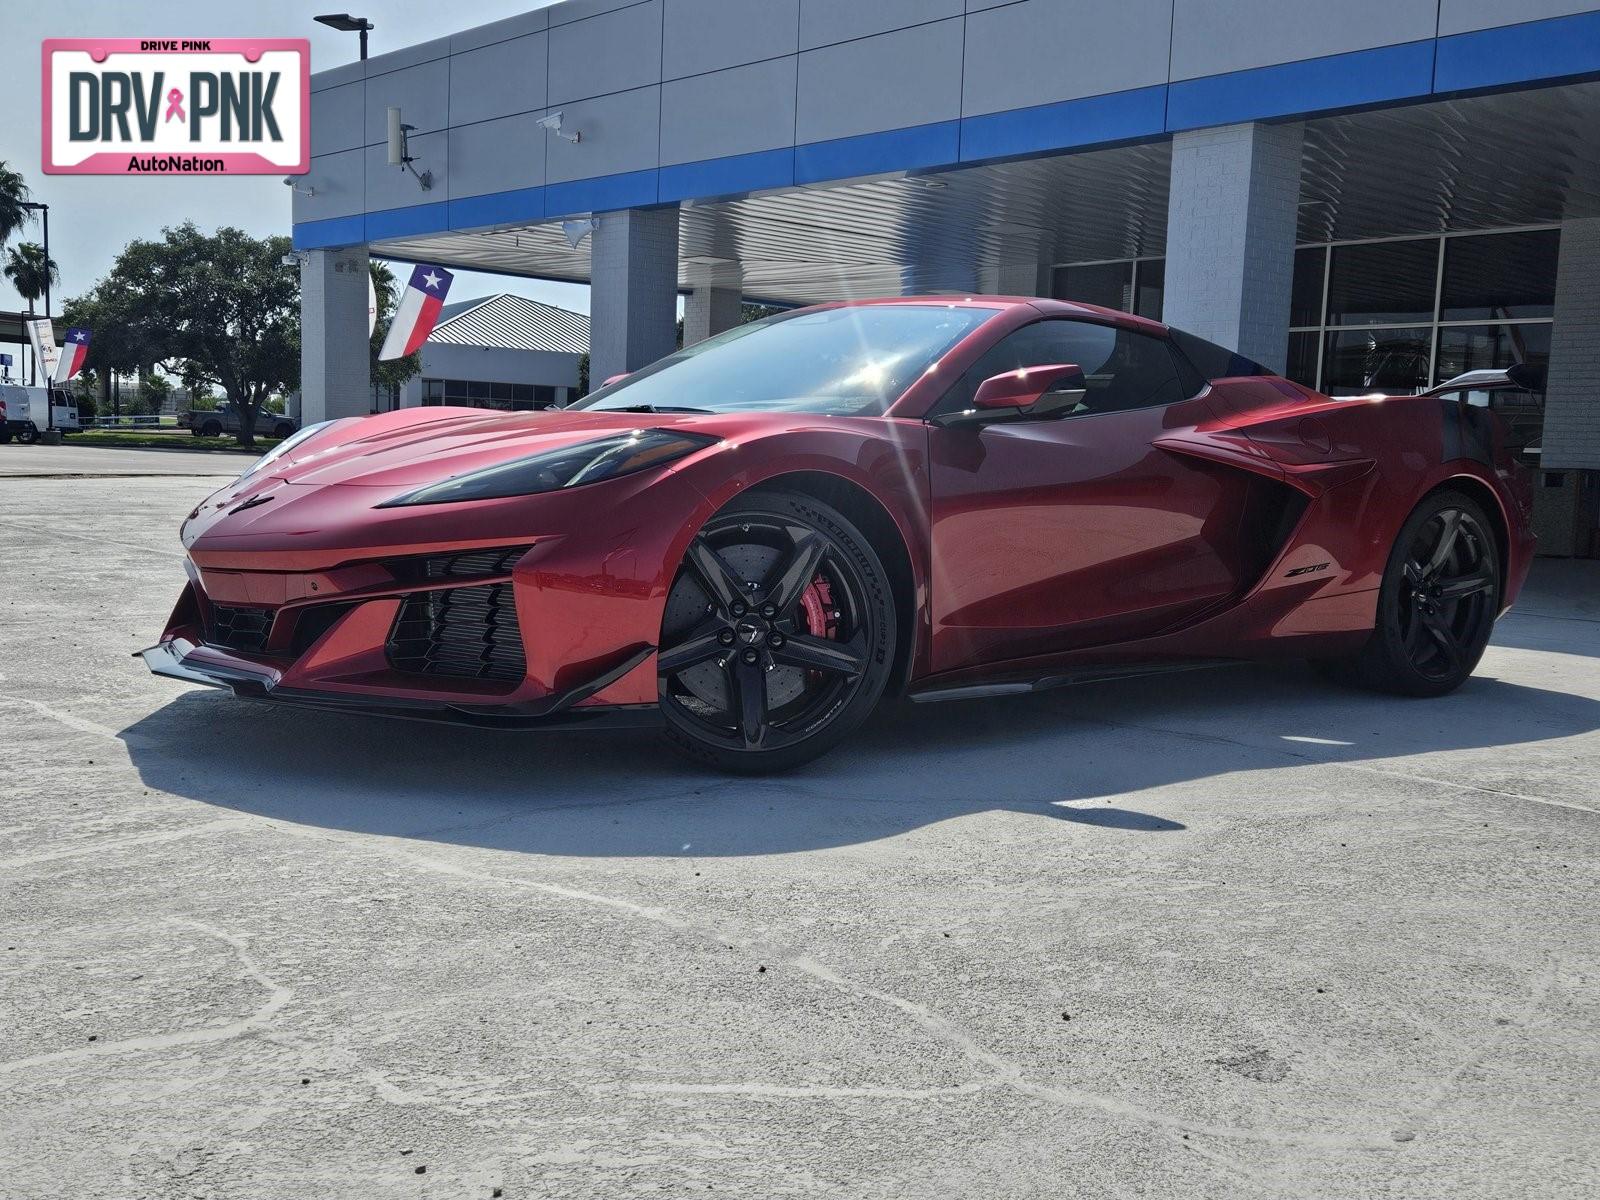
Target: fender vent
pixel 243 629
pixel 463 633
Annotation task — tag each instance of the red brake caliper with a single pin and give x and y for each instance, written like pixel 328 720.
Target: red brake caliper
pixel 822 619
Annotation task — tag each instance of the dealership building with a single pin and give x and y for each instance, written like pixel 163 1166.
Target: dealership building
pixel 1370 196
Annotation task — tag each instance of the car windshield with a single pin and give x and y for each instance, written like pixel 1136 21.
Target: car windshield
pixel 851 361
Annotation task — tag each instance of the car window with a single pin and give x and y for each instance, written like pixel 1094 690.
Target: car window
pixel 850 361
pixel 1123 369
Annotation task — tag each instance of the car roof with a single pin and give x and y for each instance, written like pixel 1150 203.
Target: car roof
pixel 1047 307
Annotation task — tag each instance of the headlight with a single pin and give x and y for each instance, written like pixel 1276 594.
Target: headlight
pixel 571 466
pixel 288 444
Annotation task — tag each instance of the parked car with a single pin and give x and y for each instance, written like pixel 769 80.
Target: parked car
pixel 22 413
pixel 225 419
pixel 751 541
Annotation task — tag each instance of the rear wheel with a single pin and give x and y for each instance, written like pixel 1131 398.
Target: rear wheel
pixel 1437 605
pixel 211 429
pixel 282 429
pixel 28 435
pixel 778 635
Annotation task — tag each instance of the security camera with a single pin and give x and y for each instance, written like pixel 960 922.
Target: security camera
pixel 289 182
pixel 552 124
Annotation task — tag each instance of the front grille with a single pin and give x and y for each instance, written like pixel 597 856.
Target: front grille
pixel 243 629
pixel 469 564
pixel 465 632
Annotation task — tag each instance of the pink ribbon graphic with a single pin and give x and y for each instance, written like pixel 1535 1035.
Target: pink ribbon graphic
pixel 174 106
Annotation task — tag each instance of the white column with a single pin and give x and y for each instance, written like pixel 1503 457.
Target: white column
pixel 633 305
pixel 1231 221
pixel 334 377
pixel 710 309
pixel 1572 400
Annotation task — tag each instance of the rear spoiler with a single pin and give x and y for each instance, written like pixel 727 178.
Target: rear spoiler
pixel 1521 378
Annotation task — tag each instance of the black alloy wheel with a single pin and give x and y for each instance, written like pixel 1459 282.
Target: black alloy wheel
pixel 778 635
pixel 1438 603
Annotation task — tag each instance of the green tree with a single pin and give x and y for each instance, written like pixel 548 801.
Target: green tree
pixel 394 372
pixel 30 272
pixel 13 194
pixel 153 392
pixel 216 310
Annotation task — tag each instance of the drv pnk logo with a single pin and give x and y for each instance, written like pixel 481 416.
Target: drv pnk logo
pixel 165 106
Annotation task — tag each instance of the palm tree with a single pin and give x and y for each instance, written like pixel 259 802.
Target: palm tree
pixel 13 195
pixel 32 274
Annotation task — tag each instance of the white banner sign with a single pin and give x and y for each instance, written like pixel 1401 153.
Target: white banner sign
pixel 43 338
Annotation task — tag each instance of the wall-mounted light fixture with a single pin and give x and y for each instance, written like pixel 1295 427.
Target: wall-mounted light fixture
pixel 288 182
pixel 400 150
pixel 552 124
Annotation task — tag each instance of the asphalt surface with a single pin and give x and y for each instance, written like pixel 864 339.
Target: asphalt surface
pixel 1230 933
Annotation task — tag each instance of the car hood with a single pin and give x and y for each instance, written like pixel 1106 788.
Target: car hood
pixel 427 445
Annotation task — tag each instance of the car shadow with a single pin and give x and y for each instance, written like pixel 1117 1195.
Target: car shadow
pixel 1076 756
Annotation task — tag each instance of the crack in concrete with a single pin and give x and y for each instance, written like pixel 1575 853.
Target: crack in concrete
pixel 278 997
pixel 1538 996
pixel 809 1092
pixel 1001 1071
pixel 111 845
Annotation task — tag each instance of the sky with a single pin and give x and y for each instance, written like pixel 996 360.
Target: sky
pixel 93 217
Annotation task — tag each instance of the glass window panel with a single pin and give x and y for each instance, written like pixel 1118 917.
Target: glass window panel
pixel 1109 285
pixel 1464 348
pixel 500 391
pixel 433 389
pixel 1306 306
pixel 1359 361
pixel 1501 276
pixel 478 389
pixel 544 396
pixel 1152 288
pixel 1303 359
pixel 522 391
pixel 1383 283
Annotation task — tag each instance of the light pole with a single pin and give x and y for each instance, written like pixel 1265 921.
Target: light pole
pixel 345 23
pixel 44 209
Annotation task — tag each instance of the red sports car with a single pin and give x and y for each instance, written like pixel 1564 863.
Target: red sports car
pixel 752 541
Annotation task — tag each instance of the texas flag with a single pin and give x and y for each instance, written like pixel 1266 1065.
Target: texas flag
pixel 418 311
pixel 74 349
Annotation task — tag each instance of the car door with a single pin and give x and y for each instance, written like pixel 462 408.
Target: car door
pixel 1073 531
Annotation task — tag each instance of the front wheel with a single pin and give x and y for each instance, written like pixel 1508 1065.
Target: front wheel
pixel 778 636
pixel 1437 605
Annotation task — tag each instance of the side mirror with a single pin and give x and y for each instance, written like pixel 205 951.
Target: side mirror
pixel 1029 392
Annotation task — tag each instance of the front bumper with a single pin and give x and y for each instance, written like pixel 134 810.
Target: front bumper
pixel 210 666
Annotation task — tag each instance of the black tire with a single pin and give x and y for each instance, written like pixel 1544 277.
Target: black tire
pixel 1437 606
pixel 211 429
pixel 28 435
pixel 282 430
pixel 782 590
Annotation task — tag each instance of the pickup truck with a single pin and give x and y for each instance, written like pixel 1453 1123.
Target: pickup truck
pixel 223 419
pixel 22 413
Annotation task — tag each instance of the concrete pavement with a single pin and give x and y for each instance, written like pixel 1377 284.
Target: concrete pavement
pixel 1228 933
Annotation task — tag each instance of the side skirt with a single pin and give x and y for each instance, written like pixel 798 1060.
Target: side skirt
pixel 1044 683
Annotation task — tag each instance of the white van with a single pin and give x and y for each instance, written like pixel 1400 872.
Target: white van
pixel 22 413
